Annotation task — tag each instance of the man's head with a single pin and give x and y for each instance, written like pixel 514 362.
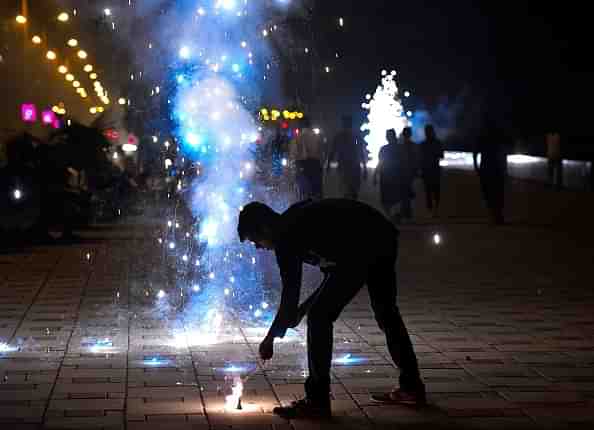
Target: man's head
pixel 429 132
pixel 407 133
pixel 257 223
pixel 305 123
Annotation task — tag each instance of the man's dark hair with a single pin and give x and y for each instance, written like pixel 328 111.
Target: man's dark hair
pixel 306 123
pixel 254 219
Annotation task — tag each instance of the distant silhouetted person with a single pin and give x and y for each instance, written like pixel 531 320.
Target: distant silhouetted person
pixel 555 161
pixel 358 246
pixel 592 174
pixel 392 175
pixel 431 154
pixel 307 152
pixel 409 157
pixel 348 148
pixel 492 147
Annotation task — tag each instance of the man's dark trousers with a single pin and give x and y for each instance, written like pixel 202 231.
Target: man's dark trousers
pixel 339 287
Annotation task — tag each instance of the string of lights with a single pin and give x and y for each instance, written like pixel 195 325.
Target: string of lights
pixel 82 56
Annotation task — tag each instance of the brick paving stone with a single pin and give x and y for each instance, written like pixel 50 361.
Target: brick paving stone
pixel 500 346
pixel 181 392
pixel 156 425
pixel 31 413
pixel 540 397
pixel 495 423
pixel 24 392
pixel 103 422
pixel 137 409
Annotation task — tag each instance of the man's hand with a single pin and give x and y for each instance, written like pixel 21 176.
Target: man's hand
pixel 267 348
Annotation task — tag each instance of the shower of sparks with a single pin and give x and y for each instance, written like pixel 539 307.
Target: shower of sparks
pixel 385 113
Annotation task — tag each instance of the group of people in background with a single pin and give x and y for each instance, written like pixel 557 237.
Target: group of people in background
pixel 399 164
pixel 398 167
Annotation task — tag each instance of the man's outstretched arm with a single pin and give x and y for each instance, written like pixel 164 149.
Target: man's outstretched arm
pixel 291 273
pixel 287 314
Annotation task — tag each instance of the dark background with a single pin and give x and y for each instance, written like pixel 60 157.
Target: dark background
pixel 525 63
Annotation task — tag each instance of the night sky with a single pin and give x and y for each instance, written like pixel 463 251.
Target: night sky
pixel 525 63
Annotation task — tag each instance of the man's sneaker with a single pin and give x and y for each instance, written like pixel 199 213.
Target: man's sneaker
pixel 303 409
pixel 399 397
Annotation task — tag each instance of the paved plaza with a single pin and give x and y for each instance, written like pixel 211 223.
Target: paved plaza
pixel 502 319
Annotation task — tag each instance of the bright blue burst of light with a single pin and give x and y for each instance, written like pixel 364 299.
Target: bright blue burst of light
pixel 101 345
pixel 348 359
pixel 155 361
pixel 184 52
pixel 234 369
pixel 193 139
pixel 225 4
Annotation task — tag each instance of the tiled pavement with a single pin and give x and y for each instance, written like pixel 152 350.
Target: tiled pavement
pixel 502 320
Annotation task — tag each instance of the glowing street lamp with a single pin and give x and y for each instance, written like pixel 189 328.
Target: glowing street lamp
pixel 28 112
pixel 437 240
pixel 63 17
pixel 88 68
pixel 70 77
pixel 73 43
pixel 48 117
pixel 51 55
pixel 93 110
pixel 93 76
pixel 76 84
pixel 20 19
pixel 63 69
pixel 36 40
pixel 122 101
pixel 82 54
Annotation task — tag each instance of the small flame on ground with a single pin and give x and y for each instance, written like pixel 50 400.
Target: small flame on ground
pixel 232 401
